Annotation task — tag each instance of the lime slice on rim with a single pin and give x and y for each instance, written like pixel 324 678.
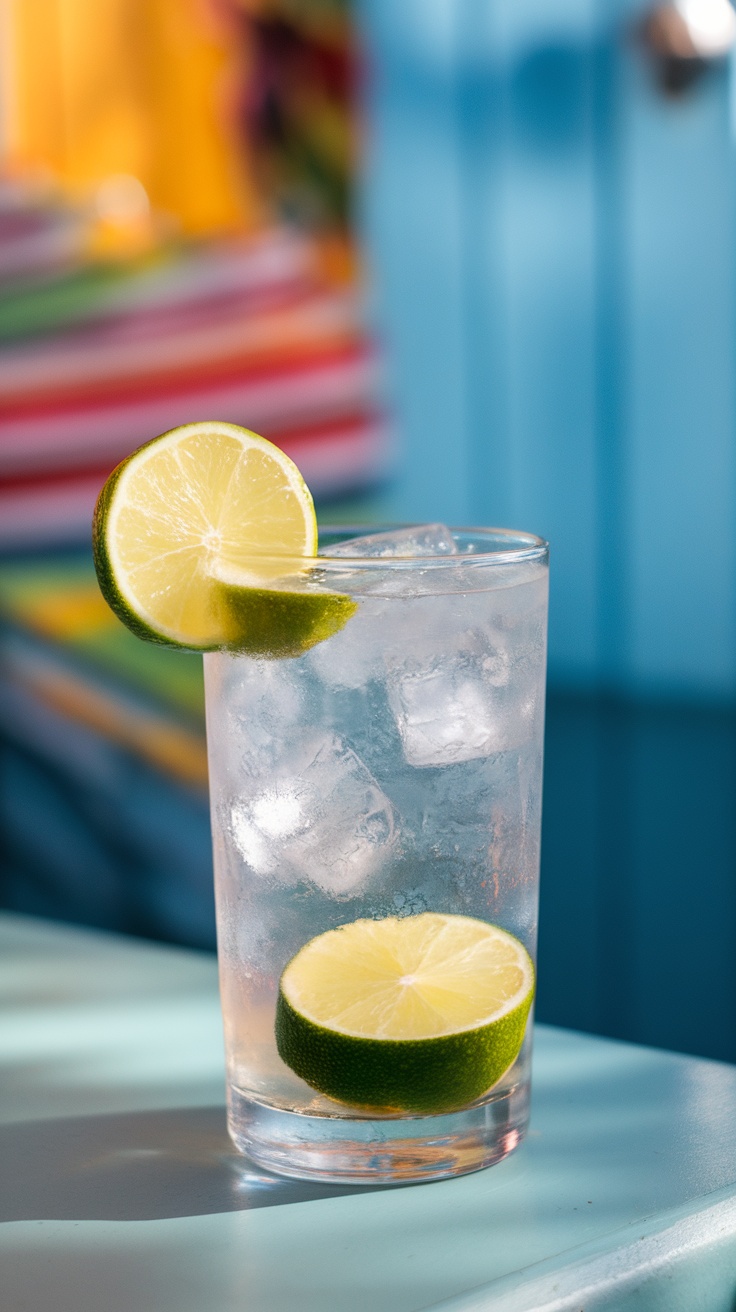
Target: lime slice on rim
pixel 201 503
pixel 418 1014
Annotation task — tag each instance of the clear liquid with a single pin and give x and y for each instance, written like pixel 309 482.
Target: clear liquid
pixel 395 768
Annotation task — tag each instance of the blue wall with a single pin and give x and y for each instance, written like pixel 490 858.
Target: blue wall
pixel 550 239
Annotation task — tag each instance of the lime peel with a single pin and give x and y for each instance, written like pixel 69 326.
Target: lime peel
pixel 274 623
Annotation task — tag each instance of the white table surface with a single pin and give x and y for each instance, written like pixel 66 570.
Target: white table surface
pixel 119 1191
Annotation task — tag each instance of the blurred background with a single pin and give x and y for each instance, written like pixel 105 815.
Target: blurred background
pixel 468 260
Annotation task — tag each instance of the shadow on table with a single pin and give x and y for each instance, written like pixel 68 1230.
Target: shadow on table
pixel 140 1166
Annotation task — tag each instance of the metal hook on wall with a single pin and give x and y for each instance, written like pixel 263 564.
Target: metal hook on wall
pixel 686 37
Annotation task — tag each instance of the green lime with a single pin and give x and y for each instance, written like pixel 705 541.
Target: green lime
pixel 180 506
pixel 418 1014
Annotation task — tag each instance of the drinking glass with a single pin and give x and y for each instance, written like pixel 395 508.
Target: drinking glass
pixel 391 769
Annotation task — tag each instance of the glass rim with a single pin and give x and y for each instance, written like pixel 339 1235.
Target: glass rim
pixel 519 548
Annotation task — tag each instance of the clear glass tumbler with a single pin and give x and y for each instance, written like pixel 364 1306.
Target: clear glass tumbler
pixel 393 768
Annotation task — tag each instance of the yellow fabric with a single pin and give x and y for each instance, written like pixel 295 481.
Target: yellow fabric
pixel 144 88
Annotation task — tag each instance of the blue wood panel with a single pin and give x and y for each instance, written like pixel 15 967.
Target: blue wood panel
pixel 551 239
pixel 638 902
pixel 678 377
pixel 412 209
pixel 549 261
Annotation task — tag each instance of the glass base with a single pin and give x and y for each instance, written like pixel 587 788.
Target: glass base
pixel 388 1150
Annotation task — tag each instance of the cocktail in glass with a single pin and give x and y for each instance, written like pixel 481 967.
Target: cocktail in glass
pixel 392 769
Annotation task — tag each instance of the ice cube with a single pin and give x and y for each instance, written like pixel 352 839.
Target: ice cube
pixel 355 655
pixel 418 540
pixel 259 705
pixel 457 702
pixel 319 816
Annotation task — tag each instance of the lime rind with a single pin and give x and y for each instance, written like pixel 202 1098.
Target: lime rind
pixel 278 623
pixel 422 1077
